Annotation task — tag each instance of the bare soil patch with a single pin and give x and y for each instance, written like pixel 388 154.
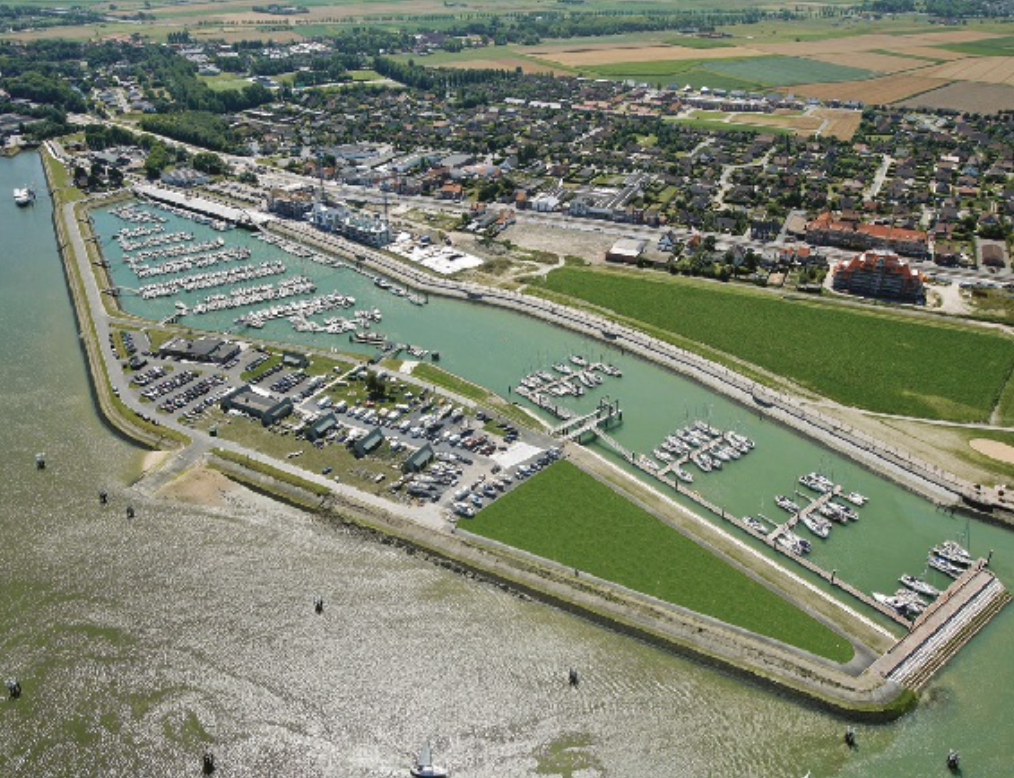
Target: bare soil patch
pixel 609 56
pixel 993 449
pixel 590 246
pixel 966 96
pixel 888 89
pixel 841 123
pixel 803 125
pixel 199 486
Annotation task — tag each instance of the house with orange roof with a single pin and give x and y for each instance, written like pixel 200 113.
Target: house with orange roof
pixel 882 275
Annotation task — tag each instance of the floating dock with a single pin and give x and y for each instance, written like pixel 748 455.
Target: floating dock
pixel 944 627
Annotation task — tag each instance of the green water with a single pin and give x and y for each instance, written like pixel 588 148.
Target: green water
pixel 139 642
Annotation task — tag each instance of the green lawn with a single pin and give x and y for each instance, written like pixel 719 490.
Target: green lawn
pixel 566 515
pixel 866 358
pixel 990 47
pixel 786 71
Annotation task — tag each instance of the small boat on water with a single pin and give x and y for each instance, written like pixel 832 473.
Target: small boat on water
pixel 755 524
pixel 856 499
pixel 903 607
pixel 424 767
pixel 818 526
pixel 786 504
pixel 918 585
pixel 578 360
pixel 945 567
pixel 954 553
pixel 24 196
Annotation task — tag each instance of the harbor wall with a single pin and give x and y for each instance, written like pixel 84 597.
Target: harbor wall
pixel 867 697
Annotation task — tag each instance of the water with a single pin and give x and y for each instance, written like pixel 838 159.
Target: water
pixel 138 643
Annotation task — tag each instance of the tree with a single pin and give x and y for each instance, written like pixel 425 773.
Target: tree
pixel 158 159
pixel 208 162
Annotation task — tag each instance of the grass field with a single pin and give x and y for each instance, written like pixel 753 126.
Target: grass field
pixel 785 71
pixel 991 47
pixel 867 359
pixel 566 515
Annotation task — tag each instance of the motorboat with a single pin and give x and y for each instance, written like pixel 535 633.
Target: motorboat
pixel 424 767
pixel 24 196
pixel 579 360
pixel 918 585
pixel 845 511
pixel 819 527
pixel 755 524
pixel 856 499
pixel 901 606
pixel 786 504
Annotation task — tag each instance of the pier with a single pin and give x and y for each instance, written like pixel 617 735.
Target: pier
pixel 944 627
pixel 607 413
pixel 795 518
pixel 663 475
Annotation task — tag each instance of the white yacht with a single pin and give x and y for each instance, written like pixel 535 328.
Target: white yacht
pixel 24 196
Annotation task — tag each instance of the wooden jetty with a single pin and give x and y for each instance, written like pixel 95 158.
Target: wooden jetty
pixel 607 413
pixel 944 627
pixel 815 504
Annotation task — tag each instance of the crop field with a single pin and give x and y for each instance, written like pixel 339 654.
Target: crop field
pixel 1002 46
pixel 989 70
pixel 873 91
pixel 587 56
pixel 565 515
pixel 784 71
pixel 866 359
pixel 869 60
pixel 977 98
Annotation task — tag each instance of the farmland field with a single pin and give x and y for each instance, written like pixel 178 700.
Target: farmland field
pixel 887 89
pixel 977 98
pixel 784 71
pixel 587 56
pixel 869 60
pixel 990 47
pixel 989 70
pixel 876 361
pixel 565 515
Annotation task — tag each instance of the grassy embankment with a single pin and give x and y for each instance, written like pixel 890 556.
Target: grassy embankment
pixel 566 515
pixel 874 360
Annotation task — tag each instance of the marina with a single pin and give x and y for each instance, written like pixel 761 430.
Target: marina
pixel 122 584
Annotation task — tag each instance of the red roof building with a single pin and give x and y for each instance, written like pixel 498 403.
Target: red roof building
pixel 879 274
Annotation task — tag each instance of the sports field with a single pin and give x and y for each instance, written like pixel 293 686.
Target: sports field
pixel 877 361
pixel 566 515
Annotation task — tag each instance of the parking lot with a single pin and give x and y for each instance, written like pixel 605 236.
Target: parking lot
pixel 475 458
